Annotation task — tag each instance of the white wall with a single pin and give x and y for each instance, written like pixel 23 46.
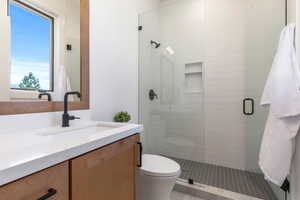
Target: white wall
pixel 114 56
pixel 292 11
pixel 146 5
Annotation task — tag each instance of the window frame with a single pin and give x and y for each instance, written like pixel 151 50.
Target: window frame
pixel 45 15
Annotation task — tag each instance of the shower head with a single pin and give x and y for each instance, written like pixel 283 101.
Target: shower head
pixel 155 44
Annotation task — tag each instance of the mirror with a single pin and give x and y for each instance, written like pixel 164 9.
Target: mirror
pixel 40 49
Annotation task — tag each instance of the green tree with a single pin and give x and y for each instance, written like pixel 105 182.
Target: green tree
pixel 30 82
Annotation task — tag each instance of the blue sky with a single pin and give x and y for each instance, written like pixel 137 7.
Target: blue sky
pixel 30 46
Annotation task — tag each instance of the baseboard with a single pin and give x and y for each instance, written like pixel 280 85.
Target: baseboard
pixel 209 192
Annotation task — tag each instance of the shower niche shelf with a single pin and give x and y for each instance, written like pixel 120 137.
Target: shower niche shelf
pixel 193 77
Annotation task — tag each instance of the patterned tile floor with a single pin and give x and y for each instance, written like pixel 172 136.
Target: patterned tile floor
pixel 244 182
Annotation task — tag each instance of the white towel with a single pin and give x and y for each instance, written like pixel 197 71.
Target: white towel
pixel 282 95
pixel 64 84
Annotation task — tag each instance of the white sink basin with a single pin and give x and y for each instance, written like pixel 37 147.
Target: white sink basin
pixel 88 127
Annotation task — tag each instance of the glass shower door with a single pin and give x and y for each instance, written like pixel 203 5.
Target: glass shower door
pixel 173 71
pixel 261 46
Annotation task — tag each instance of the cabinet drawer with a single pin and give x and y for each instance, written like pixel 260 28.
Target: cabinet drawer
pixel 107 173
pixel 37 185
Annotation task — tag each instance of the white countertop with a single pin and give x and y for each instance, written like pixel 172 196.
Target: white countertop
pixel 24 153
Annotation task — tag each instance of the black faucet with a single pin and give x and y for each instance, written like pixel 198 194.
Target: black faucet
pixel 66 117
pixel 45 94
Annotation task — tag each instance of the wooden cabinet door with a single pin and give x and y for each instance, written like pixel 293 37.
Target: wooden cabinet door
pixel 107 173
pixel 37 185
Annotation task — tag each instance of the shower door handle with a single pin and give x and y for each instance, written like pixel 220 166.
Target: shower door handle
pixel 246 101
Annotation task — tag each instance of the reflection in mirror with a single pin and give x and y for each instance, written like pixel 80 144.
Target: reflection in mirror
pixel 43 48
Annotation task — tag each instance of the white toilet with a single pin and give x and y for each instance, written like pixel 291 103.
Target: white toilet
pixel 156 177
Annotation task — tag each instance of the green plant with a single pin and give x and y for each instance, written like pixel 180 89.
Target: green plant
pixel 30 82
pixel 122 117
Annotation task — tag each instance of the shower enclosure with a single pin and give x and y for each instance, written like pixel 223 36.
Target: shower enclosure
pixel 203 66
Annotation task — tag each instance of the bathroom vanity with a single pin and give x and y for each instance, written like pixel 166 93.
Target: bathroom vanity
pixel 85 162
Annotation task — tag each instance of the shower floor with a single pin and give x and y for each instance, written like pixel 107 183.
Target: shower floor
pixel 244 182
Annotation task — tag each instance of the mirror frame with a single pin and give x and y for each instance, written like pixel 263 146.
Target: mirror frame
pixel 26 107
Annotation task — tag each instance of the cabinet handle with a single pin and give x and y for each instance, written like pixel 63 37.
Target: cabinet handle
pixel 51 192
pixel 141 153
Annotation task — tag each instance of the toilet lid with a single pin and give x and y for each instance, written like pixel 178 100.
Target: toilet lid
pixel 154 165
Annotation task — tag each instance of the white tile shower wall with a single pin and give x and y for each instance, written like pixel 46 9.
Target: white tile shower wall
pixel 237 62
pixel 237 57
pixel 225 83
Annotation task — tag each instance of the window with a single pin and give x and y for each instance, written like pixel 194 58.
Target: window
pixel 31 48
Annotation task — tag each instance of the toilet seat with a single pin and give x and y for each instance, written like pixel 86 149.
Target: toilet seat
pixel 159 166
